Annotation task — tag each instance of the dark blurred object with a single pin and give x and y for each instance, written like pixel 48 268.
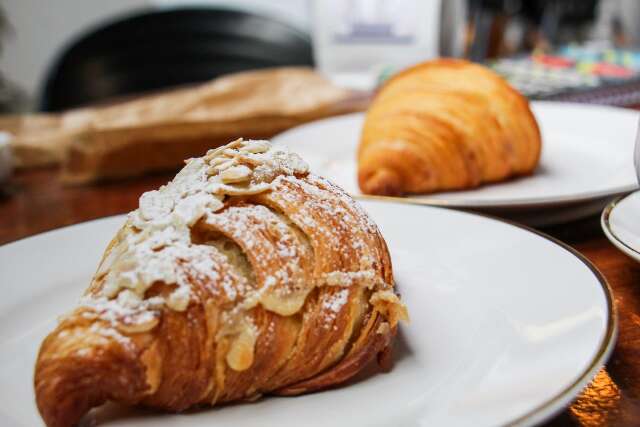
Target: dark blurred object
pixel 12 98
pixel 153 50
pixel 488 20
pixel 545 23
pixel 566 12
pixel 557 20
pixel 620 36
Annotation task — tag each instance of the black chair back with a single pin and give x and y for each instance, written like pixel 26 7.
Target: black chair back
pixel 168 47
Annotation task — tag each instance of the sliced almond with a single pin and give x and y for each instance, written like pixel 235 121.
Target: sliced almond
pixel 155 204
pixel 215 205
pixel 248 190
pixel 110 288
pixel 125 264
pixel 128 298
pixel 234 144
pixel 222 166
pixel 246 158
pixel 216 151
pixel 256 147
pixel 138 327
pixel 235 174
pixel 218 160
pixel 178 300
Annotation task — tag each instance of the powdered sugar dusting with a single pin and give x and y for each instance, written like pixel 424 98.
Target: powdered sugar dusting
pixel 276 255
pixel 110 333
pixel 157 246
pixel 336 301
pixel 337 220
pixel 205 237
pixel 332 305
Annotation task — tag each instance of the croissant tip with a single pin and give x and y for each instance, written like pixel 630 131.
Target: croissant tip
pixel 71 377
pixel 382 182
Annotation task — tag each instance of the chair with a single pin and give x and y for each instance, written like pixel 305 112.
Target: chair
pixel 170 47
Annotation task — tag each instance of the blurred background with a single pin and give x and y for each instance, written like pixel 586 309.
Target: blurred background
pixel 74 53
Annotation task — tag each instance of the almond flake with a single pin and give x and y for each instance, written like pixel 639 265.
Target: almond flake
pixel 235 174
pixel 256 147
pixel 155 204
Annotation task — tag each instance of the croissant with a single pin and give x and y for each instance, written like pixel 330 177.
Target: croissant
pixel 445 125
pixel 246 275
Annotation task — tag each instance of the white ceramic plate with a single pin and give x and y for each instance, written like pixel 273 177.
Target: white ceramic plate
pixel 507 327
pixel 621 224
pixel 587 156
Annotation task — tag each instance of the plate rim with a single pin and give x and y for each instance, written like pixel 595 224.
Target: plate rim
pixel 608 230
pixel 529 203
pixel 546 203
pixel 553 404
pixel 557 403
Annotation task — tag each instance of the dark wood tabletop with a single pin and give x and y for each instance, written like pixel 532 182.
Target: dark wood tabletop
pixel 37 202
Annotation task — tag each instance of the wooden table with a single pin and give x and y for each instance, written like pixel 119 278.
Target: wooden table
pixel 37 202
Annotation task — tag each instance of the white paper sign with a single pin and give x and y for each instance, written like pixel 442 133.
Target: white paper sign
pixel 355 41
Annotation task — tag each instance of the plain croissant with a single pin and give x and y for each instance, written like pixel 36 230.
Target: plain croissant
pixel 245 275
pixel 445 125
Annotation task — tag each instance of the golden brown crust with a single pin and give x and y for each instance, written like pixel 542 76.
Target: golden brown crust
pixel 301 299
pixel 445 125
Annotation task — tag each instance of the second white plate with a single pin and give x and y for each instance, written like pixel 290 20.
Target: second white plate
pixel 587 157
pixel 621 224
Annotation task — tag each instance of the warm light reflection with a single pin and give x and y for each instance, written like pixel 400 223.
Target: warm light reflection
pixel 598 403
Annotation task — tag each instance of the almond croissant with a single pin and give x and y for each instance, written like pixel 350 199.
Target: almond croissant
pixel 445 125
pixel 243 276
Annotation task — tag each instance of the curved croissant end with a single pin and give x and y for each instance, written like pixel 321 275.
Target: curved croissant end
pixel 82 366
pixel 382 181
